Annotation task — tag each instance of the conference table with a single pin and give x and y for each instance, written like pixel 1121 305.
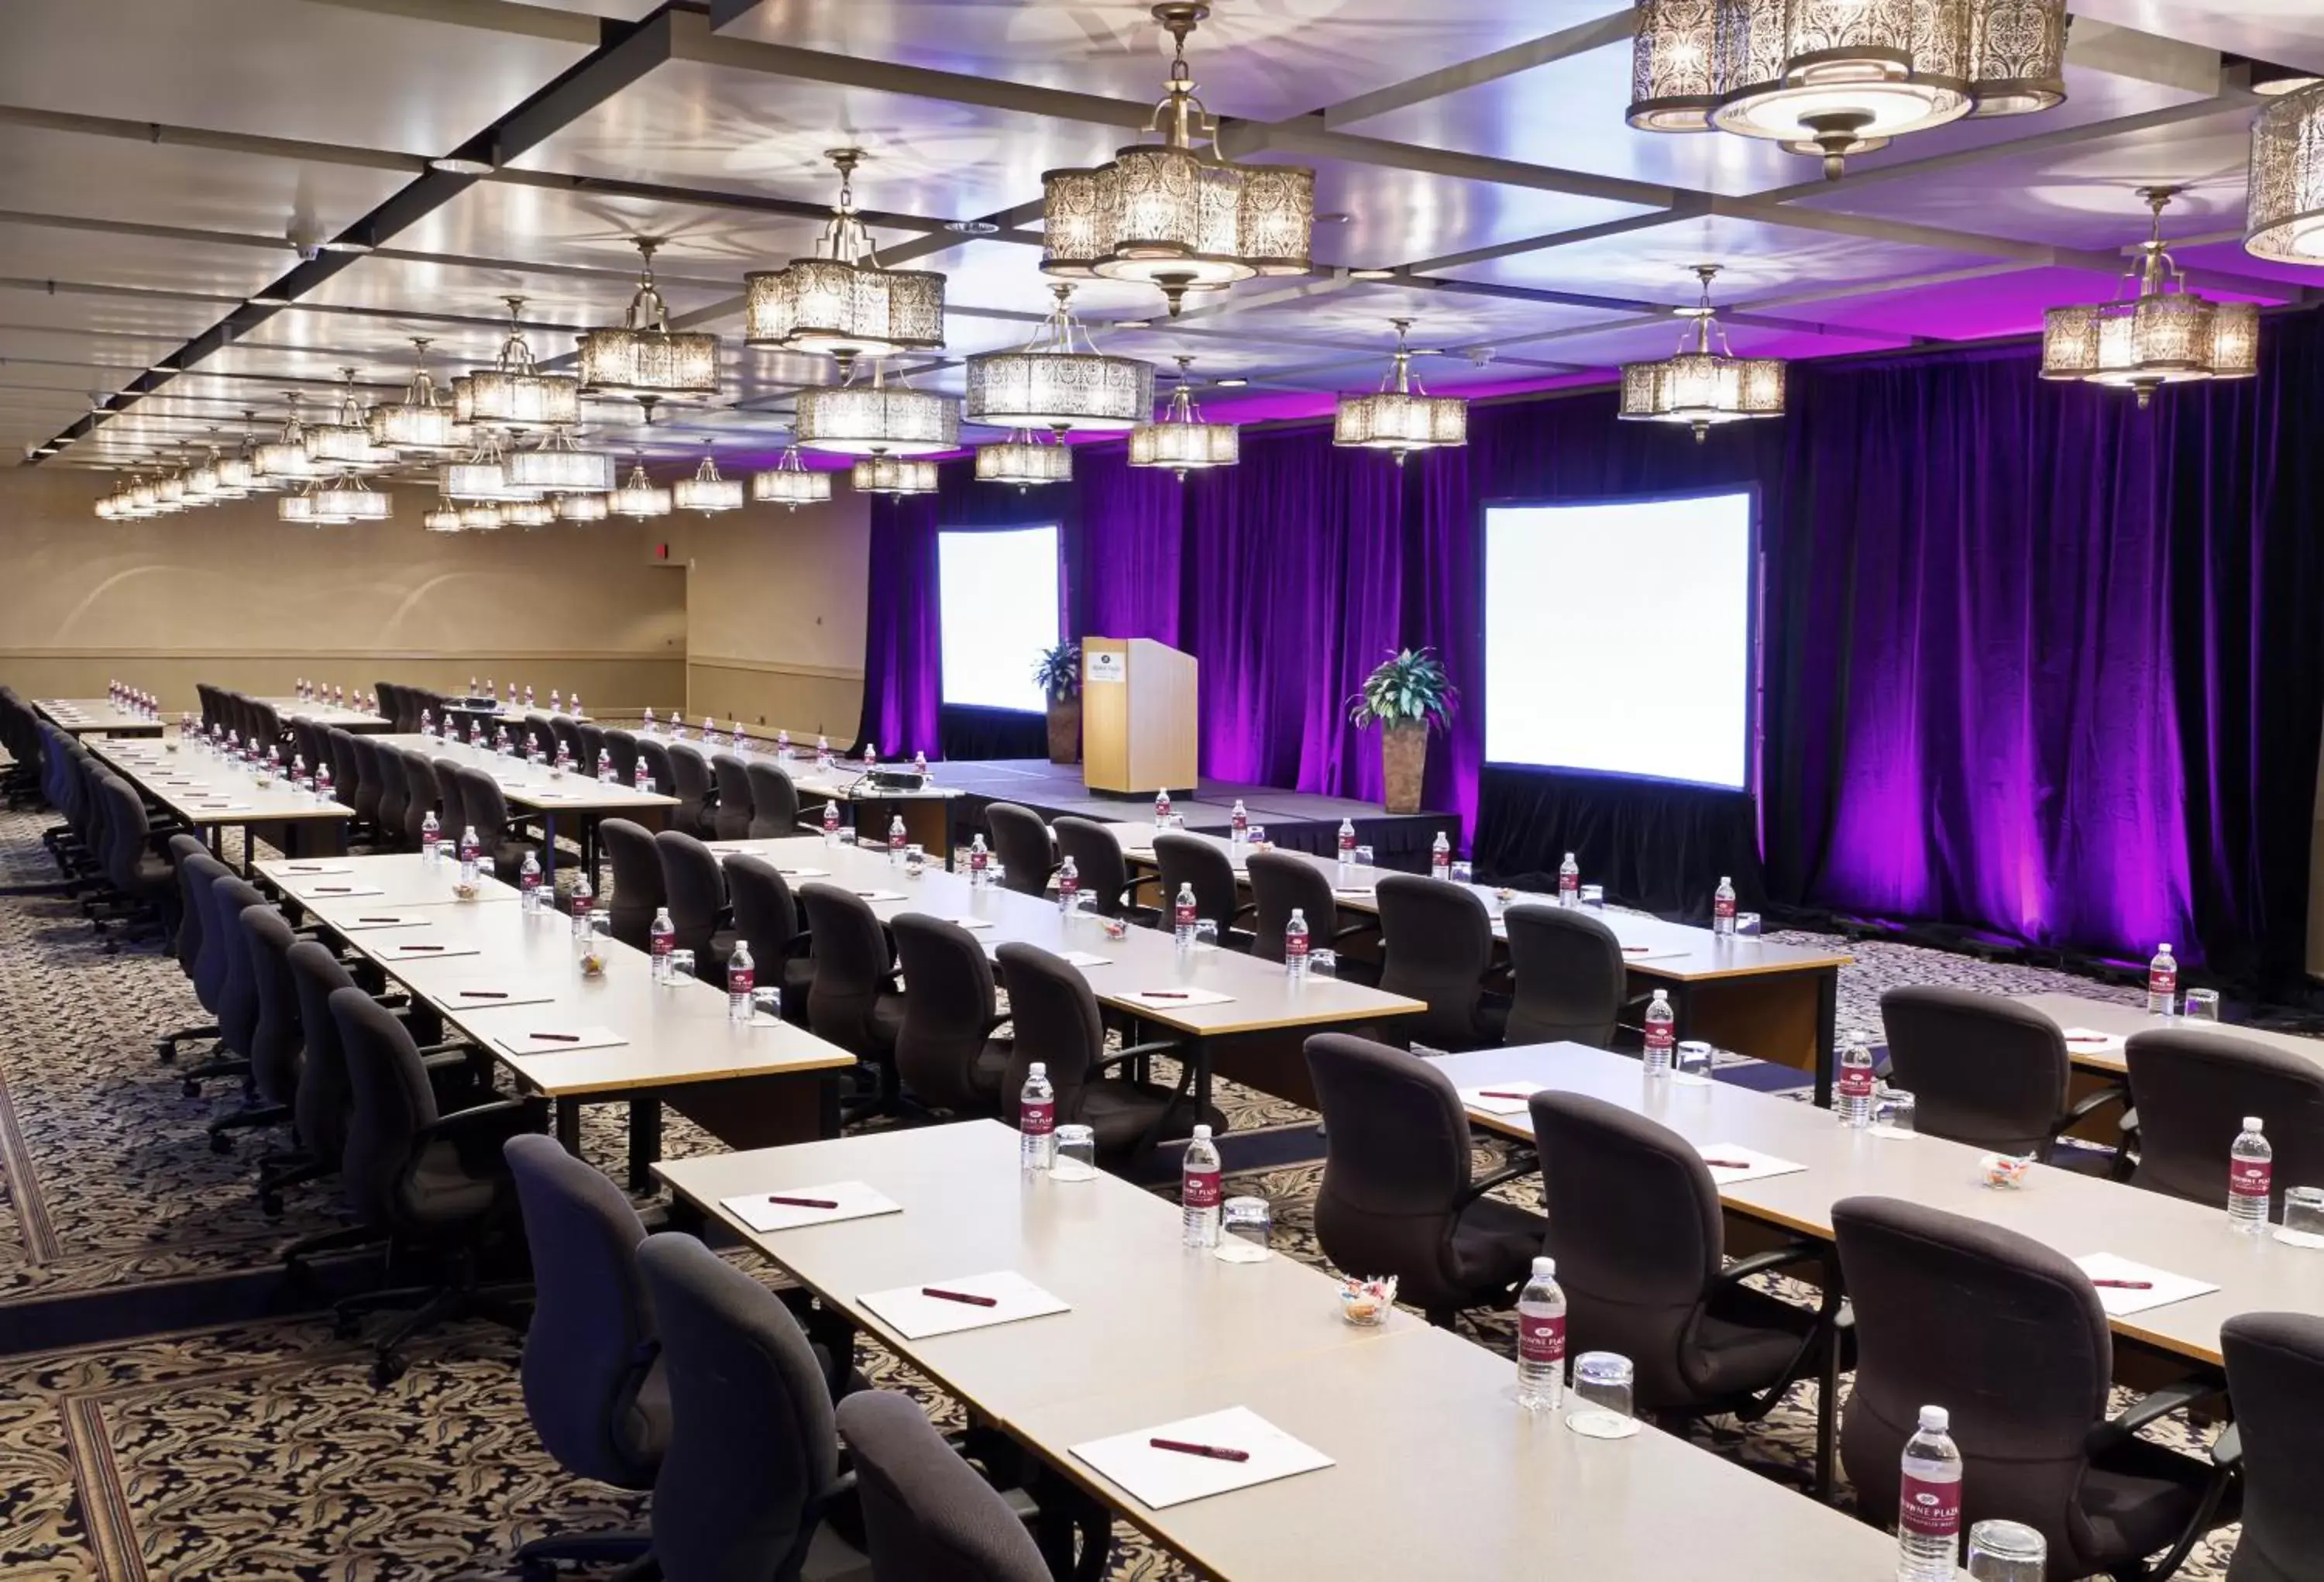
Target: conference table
pixel 1255 1027
pixel 210 795
pixel 82 716
pixel 2119 1023
pixel 1774 1001
pixel 926 812
pixel 540 789
pixel 1433 1468
pixel 360 721
pixel 502 973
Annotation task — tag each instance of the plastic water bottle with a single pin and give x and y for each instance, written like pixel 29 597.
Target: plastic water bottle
pixel 1852 1094
pixel 1722 906
pixel 830 822
pixel 1037 1121
pixel 677 726
pixel 920 764
pixel 427 722
pixel 323 780
pixel 511 695
pixel 528 883
pixel 896 841
pixel 470 846
pixel 1440 856
pixel 661 938
pixel 476 735
pixel 584 899
pixel 1069 885
pixel 1162 809
pixel 979 860
pixel 1541 1340
pixel 710 730
pixel 1182 917
pixel 1237 824
pixel 1929 1502
pixel 1661 1034
pixel 2163 984
pixel 564 756
pixel 605 765
pixel 1569 882
pixel 1295 946
pixel 500 740
pixel 556 701
pixel 783 745
pixel 531 748
pixel 2250 1173
pixel 641 778
pixel 823 752
pixel 1198 1190
pixel 742 977
pixel 469 870
pixel 1347 843
pixel 431 838
pixel 870 758
pixel 528 694
pixel 647 726
pixel 576 706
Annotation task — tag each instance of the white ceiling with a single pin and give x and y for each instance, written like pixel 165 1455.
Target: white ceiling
pixel 160 157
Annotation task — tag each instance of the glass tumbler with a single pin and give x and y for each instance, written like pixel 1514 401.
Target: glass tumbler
pixel 1600 1403
pixel 1892 1112
pixel 1323 964
pixel 1465 873
pixel 1245 1226
pixel 916 861
pixel 1593 896
pixel 2202 1007
pixel 1076 1158
pixel 678 968
pixel 1691 1065
pixel 2303 1216
pixel 2006 1551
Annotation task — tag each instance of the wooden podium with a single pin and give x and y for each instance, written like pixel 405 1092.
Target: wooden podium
pixel 1138 715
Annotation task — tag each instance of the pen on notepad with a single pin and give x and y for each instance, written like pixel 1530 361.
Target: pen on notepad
pixel 809 1203
pixel 484 993
pixel 2124 1284
pixel 971 1298
pixel 1160 994
pixel 1728 1163
pixel 1188 1447
pixel 1502 1093
pixel 556 1037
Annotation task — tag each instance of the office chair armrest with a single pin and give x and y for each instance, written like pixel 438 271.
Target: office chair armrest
pixel 2149 1408
pixel 1131 1051
pixel 1350 930
pixel 1507 1173
pixel 802 944
pixel 478 1131
pixel 1772 1259
pixel 2227 1449
pixel 2091 1103
pixel 997 1019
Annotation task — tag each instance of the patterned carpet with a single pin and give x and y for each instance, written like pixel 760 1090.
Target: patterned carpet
pixel 260 1450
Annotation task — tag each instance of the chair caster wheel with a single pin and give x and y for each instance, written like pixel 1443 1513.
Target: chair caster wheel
pixel 270 1204
pixel 221 1144
pixel 537 1571
pixel 386 1370
pixel 165 1051
pixel 345 1326
pixel 191 1088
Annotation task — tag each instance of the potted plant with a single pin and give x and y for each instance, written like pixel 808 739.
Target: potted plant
pixel 1059 676
pixel 1406 695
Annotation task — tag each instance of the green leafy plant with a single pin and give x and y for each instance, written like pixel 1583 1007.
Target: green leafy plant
pixel 1407 688
pixel 1059 672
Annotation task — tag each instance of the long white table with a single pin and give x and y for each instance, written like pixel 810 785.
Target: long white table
pixel 210 794
pixel 2128 1020
pixel 81 717
pixel 539 790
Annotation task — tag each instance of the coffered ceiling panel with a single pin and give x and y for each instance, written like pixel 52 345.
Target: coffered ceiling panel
pixel 55 172
pixel 519 222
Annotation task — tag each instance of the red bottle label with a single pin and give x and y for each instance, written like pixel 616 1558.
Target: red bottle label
pixel 664 943
pixel 1069 884
pixel 2250 1177
pixel 1660 1035
pixel 529 881
pixel 580 906
pixel 1182 916
pixel 1200 1189
pixel 1723 906
pixel 2159 981
pixel 1541 1340
pixel 741 980
pixel 978 860
pixel 1347 846
pixel 1855 1082
pixel 896 841
pixel 1568 882
pixel 1929 1510
pixel 1038 1117
pixel 1295 946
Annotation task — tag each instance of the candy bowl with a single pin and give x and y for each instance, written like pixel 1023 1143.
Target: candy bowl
pixel 1367 1303
pixel 2004 1169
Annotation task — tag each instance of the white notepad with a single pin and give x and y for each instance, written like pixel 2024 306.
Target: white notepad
pixel 222 807
pixel 1083 958
pixel 2164 1286
pixel 1159 1479
pixel 380 919
pixel 347 890
pixel 487 993
pixel 1648 953
pixel 805 872
pixel 426 950
pixel 970 923
pixel 854 1199
pixel 2090 1040
pixel 318 868
pixel 1754 1165
pixel 876 896
pixel 1178 999
pixel 916 1317
pixel 569 1038
pixel 1482 1099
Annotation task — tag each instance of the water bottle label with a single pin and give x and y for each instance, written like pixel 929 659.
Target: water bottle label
pixel 529 881
pixel 2161 981
pixel 1200 1189
pixel 1660 1035
pixel 1347 846
pixel 1541 1340
pixel 1069 885
pixel 1723 907
pixel 1295 946
pixel 896 841
pixel 2250 1177
pixel 1929 1510
pixel 977 861
pixel 1038 1117
pixel 1855 1082
pixel 580 907
pixel 1568 882
pixel 741 980
pixel 1182 916
pixel 664 943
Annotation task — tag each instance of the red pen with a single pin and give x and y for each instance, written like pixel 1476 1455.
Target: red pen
pixel 809 1203
pixel 2124 1284
pixel 1503 1093
pixel 961 1296
pixel 556 1037
pixel 1188 1447
pixel 1728 1163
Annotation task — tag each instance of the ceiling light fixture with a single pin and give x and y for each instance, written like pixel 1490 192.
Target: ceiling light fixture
pixel 890 419
pixel 1835 77
pixel 639 496
pixel 556 466
pixel 349 498
pixel 581 508
pixel 422 421
pixel 841 303
pixel 443 518
pixel 480 517
pixel 893 475
pixel 237 475
pixel 2155 332
pixel 643 355
pixel 1170 215
pixel 1023 459
pixel 1703 383
pixel 2284 220
pixel 513 392
pixel 1400 417
pixel 527 514
pixel 706 491
pixel 284 460
pixel 483 474
pixel 1059 380
pixel 346 442
pixel 790 483
pixel 1181 441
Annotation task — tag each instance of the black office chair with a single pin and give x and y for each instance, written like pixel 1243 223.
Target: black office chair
pixel 346 769
pixel 1021 841
pixel 431 1180
pixel 1190 860
pixel 1397 1197
pixel 394 795
pixel 568 731
pixel 736 811
pixel 928 1516
pixel 752 1459
pixel 622 746
pixel 692 816
pixel 1056 1023
pixel 697 892
pixel 1636 1227
pixel 276 1049
pixel 2192 1090
pixel 1436 943
pixel 638 894
pixel 485 807
pixel 132 865
pixel 1282 883
pixel 653 752
pixel 187 943
pixel 853 1000
pixel 1569 977
pixel 237 1006
pixel 424 796
pixel 453 821
pixel 363 792
pixel 1098 863
pixel 1985 1070
pixel 590 740
pixel 774 800
pixel 767 917
pixel 947 1055
pixel 2009 1337
pixel 594 1383
pixel 2275 1377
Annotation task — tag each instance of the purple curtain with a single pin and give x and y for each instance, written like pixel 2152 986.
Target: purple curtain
pixel 1131 519
pixel 902 645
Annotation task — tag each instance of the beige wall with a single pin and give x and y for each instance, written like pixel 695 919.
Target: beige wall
pixel 229 594
pixel 774 631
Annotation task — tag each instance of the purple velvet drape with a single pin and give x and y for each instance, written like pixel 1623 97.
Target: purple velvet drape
pixel 903 647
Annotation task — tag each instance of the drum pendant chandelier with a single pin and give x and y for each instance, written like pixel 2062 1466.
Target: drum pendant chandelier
pixel 841 303
pixel 421 421
pixel 893 475
pixel 2285 220
pixel 1181 441
pixel 706 491
pixel 1173 217
pixel 1834 78
pixel 640 497
pixel 513 394
pixel 789 483
pixel 558 467
pixel 1400 417
pixel 346 445
pixel 284 460
pixel 1059 381
pixel 1706 384
pixel 860 420
pixel 1024 460
pixel 643 355
pixel 2155 332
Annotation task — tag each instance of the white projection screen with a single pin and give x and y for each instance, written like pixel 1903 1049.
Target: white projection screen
pixel 997 600
pixel 1619 636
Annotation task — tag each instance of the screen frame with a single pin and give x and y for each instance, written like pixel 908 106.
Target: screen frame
pixel 1051 524
pixel 1755 688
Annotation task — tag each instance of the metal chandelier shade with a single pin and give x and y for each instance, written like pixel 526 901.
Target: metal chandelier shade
pixel 346 443
pixel 482 476
pixel 1706 383
pixel 1024 460
pixel 891 475
pixel 889 420
pixel 1171 215
pixel 640 496
pixel 350 499
pixel 1059 381
pixel 1835 77
pixel 841 303
pixel 2155 332
pixel 643 355
pixel 2284 220
pixel 422 421
pixel 706 491
pixel 1181 441
pixel 284 460
pixel 556 466
pixel 1400 417
pixel 581 508
pixel 513 394
pixel 790 483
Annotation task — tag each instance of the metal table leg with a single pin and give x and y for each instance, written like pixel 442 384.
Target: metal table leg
pixel 1827 1032
pixel 645 1138
pixel 568 1124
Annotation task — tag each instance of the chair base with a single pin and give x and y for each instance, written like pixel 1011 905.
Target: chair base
pixel 223 1129
pixel 165 1048
pixel 538 1560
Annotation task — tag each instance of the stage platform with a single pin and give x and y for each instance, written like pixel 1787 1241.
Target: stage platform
pixel 1296 820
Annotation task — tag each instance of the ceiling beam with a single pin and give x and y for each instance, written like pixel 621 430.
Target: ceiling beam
pixel 1577 40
